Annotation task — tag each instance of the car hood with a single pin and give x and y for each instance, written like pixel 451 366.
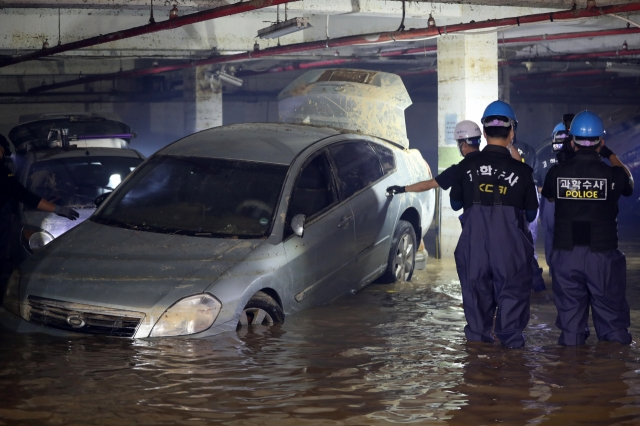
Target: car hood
pixel 108 266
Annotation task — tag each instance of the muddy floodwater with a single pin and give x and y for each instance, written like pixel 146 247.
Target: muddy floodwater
pixel 388 354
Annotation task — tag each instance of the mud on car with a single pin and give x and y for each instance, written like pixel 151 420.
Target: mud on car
pixel 241 225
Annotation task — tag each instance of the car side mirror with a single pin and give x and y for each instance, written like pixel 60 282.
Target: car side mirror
pixel 100 199
pixel 297 224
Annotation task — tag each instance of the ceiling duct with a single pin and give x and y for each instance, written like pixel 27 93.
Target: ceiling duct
pixel 362 101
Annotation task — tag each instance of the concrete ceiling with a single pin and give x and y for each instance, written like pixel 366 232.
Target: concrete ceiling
pixel 27 24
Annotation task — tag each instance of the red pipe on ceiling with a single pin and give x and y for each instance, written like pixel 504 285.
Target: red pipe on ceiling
pixel 527 39
pixel 365 39
pixel 412 51
pixel 308 65
pixel 630 52
pixel 566 36
pixel 205 15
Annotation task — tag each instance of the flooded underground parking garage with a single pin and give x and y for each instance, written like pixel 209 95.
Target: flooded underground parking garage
pixel 391 353
pixel 212 234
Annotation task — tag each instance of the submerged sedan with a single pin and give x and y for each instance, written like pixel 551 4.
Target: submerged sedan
pixel 237 224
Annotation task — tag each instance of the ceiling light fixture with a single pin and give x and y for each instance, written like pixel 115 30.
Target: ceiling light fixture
pixel 285 27
pixel 228 78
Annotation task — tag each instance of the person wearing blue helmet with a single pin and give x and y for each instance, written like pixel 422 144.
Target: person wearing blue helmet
pixel 588 270
pixel 494 253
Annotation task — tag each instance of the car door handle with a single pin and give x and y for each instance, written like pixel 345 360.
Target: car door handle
pixel 345 219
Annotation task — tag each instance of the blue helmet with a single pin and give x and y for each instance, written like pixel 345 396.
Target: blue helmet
pixel 587 124
pixel 559 138
pixel 559 127
pixel 502 109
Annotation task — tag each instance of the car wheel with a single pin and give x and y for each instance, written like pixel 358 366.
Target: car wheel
pixel 261 310
pixel 402 256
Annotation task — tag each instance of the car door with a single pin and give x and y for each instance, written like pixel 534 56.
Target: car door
pixel 361 173
pixel 320 263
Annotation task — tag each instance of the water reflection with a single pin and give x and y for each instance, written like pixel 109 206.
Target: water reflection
pixel 389 354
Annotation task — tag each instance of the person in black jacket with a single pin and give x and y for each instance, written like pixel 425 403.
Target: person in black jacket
pixel 12 190
pixel 494 253
pixel 588 269
pixel 468 135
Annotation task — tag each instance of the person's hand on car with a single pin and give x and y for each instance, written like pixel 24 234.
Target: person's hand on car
pixel 67 212
pixel 395 189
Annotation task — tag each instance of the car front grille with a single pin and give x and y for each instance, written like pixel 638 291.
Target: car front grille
pixel 82 318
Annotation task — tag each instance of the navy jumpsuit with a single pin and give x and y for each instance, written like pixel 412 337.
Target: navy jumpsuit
pixel 495 251
pixel 588 269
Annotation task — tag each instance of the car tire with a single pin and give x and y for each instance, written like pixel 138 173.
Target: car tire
pixel 261 310
pixel 402 255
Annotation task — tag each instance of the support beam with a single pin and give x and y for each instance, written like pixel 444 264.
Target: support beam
pixel 203 100
pixel 467 83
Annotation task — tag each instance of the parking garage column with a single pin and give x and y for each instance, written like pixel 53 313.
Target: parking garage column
pixel 467 83
pixel 203 100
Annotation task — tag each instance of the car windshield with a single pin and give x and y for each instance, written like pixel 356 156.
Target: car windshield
pixel 198 196
pixel 76 182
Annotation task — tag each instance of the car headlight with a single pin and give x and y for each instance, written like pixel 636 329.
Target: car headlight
pixel 190 315
pixel 34 238
pixel 11 299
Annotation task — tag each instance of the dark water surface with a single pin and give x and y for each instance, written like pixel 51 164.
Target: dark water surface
pixel 389 354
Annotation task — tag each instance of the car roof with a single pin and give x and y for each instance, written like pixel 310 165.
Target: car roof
pixel 46 154
pixel 277 143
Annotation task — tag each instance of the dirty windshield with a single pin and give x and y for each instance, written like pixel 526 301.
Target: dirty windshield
pixel 198 196
pixel 76 182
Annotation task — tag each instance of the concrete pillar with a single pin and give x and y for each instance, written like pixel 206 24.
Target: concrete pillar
pixel 467 83
pixel 505 84
pixel 203 100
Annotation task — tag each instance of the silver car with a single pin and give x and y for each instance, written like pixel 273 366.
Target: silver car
pixel 66 172
pixel 234 226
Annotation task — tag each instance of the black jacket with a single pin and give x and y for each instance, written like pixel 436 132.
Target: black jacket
pixel 12 189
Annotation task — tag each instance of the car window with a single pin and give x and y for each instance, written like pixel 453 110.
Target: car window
pixel 205 197
pixel 358 166
pixel 313 191
pixel 77 181
pixel 386 158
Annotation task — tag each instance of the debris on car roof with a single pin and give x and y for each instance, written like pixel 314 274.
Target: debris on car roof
pixel 363 101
